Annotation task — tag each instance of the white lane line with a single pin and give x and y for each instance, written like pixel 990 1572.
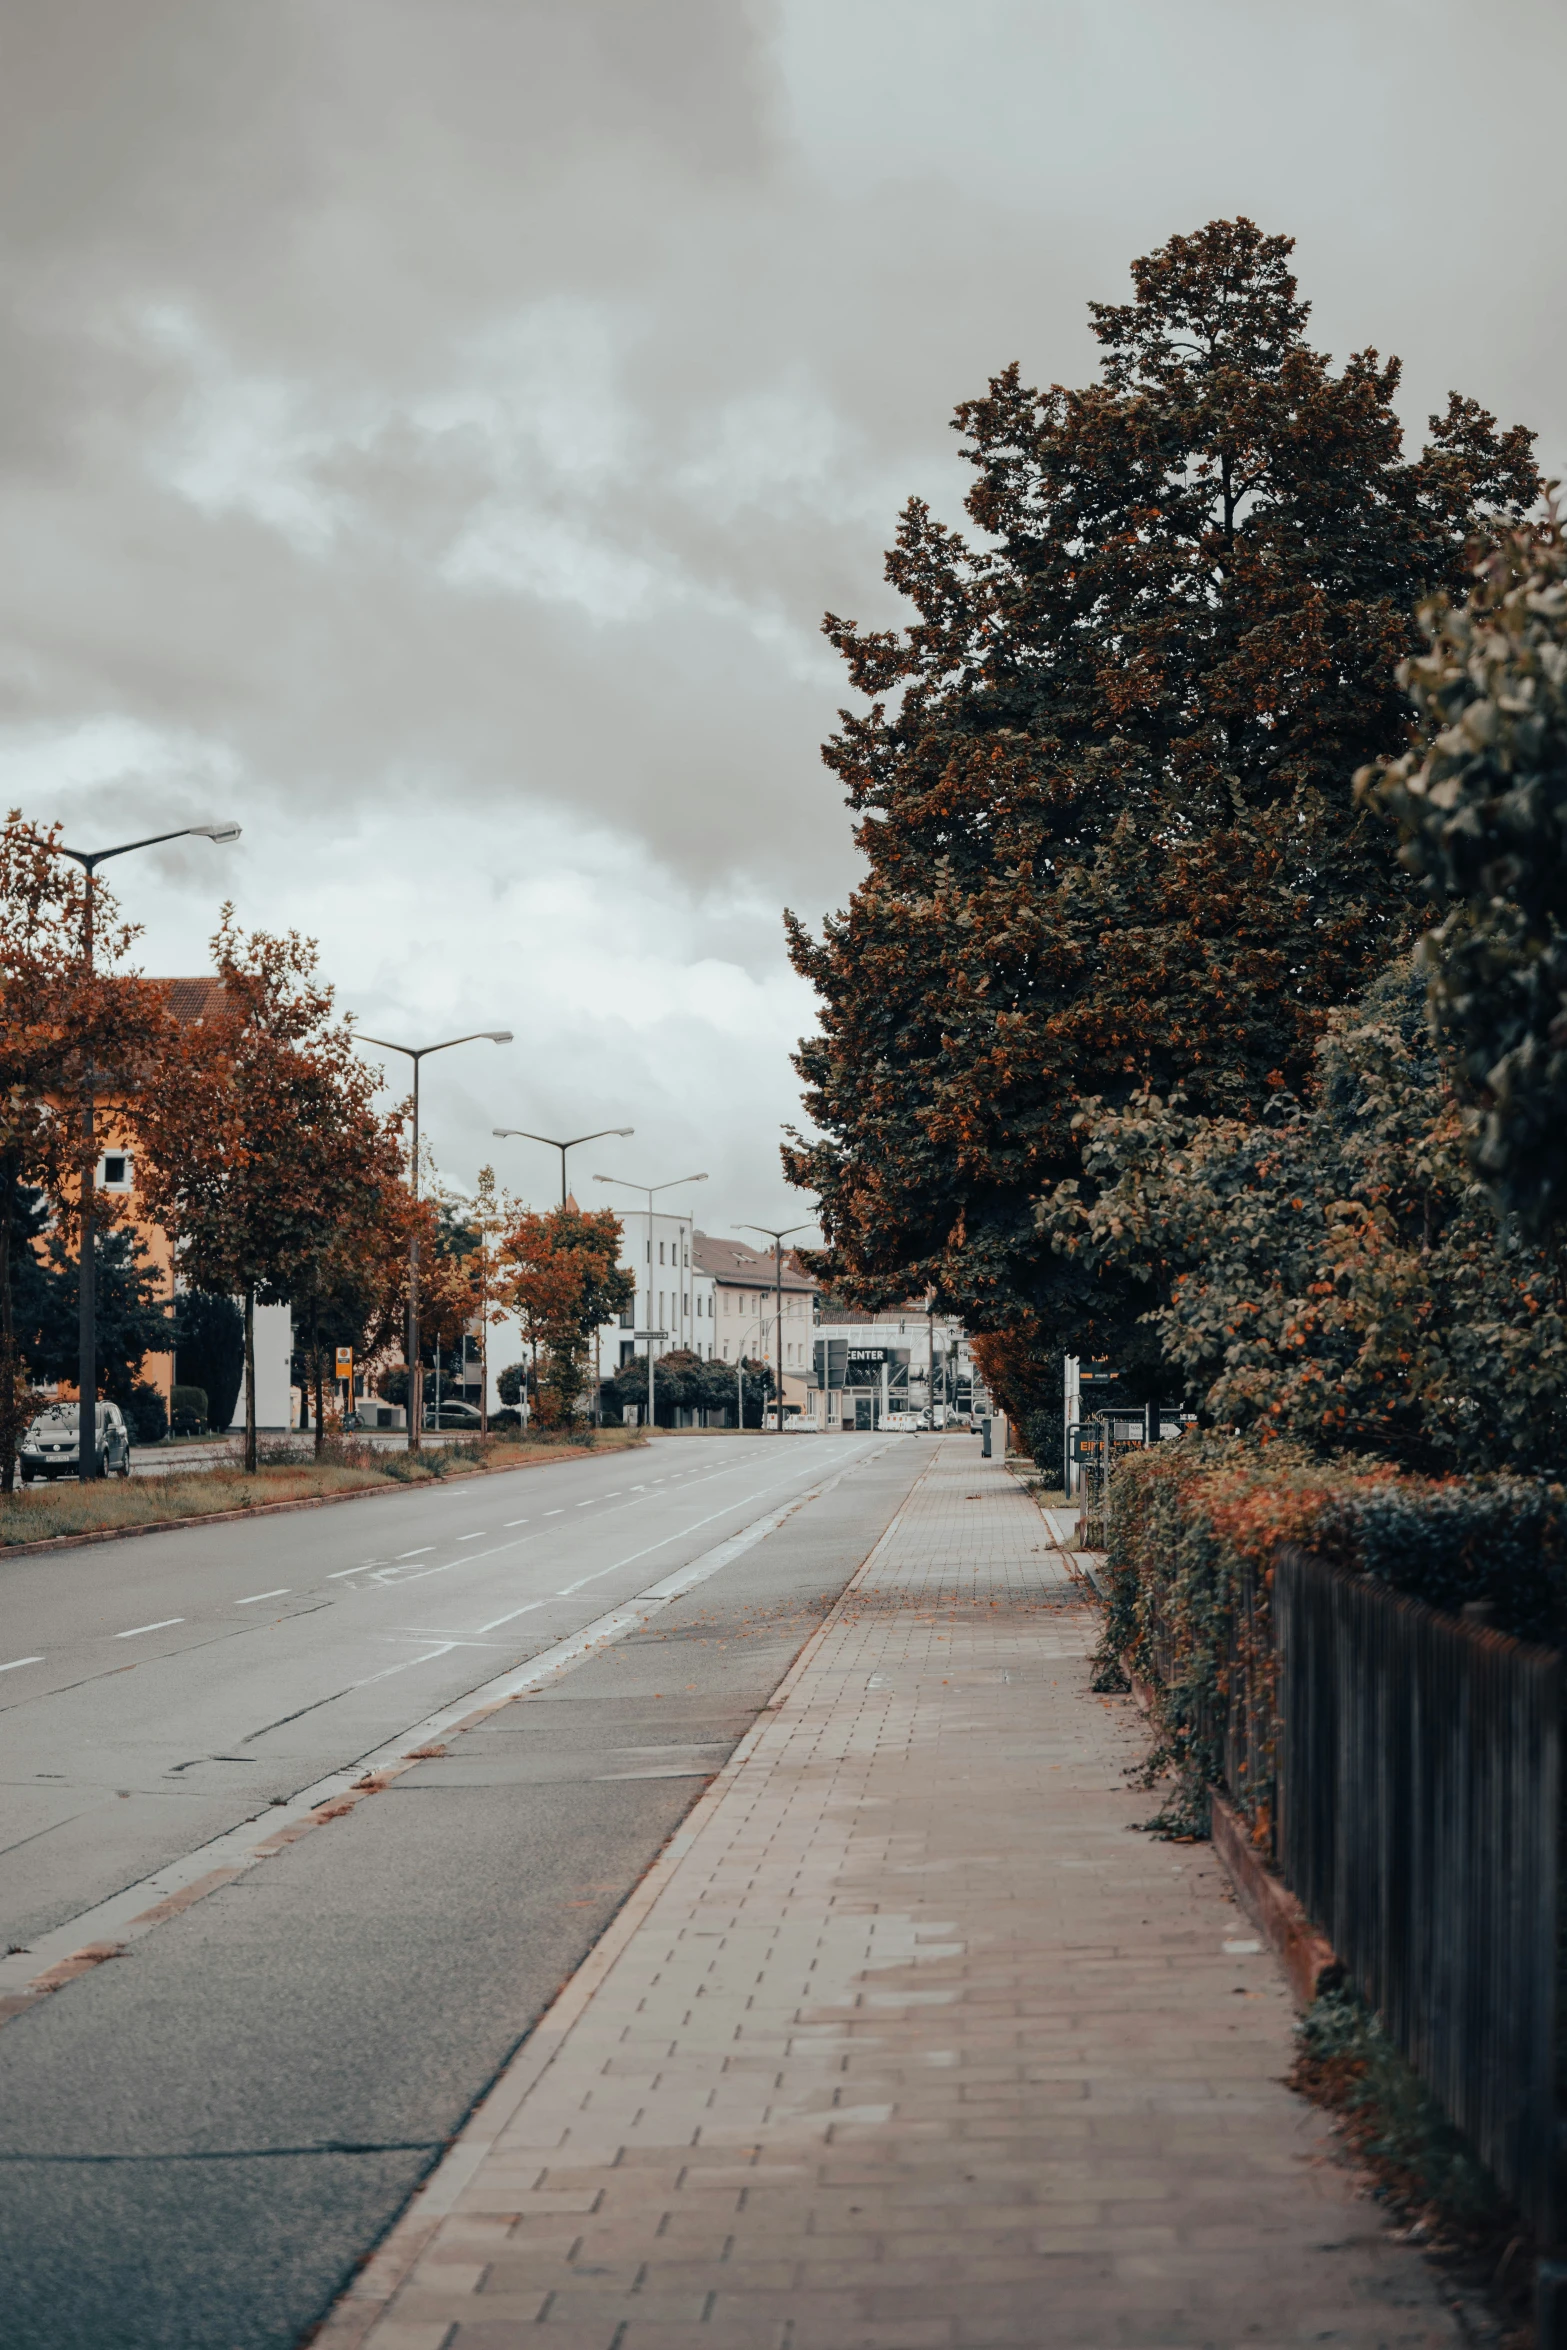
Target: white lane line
pixel 588 1504
pixel 451 1639
pixel 479 1537
pixel 422 1552
pixel 717 1476
pixel 506 1529
pixel 281 1592
pixel 161 1625
pixel 679 1533
pixel 128 1914
pixel 496 1622
pixel 17 1663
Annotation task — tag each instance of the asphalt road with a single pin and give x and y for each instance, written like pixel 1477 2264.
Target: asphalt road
pixel 200 2139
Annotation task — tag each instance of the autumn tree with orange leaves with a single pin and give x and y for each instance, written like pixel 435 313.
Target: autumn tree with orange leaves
pixel 264 1152
pixel 563 1278
pixel 61 1030
pixel 1103 778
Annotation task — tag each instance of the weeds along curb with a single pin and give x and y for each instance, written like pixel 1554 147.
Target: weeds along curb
pixel 267 1509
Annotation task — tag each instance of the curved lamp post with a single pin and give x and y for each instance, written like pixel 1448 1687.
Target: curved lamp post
pixel 501 1134
pixel 87 1285
pixel 648 1189
pixel 417 1053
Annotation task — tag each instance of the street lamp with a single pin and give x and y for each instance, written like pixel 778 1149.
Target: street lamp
pixel 502 1132
pixel 778 1238
pixel 417 1053
pixel 740 1371
pixel 649 1189
pixel 87 1302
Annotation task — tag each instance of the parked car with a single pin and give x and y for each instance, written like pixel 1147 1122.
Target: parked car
pixel 49 1449
pixel 451 1415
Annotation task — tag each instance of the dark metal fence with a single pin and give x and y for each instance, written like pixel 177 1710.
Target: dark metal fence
pixel 1418 1821
pixel 1248 1717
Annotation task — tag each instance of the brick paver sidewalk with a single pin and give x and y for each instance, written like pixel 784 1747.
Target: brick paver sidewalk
pixel 907 2042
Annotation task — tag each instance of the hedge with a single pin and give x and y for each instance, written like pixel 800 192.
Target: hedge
pixel 1193 1523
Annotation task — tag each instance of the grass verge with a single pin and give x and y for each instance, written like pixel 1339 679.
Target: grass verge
pixel 49 1512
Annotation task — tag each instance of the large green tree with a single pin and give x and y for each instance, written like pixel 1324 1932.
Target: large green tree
pixel 1481 800
pixel 1102 779
pixel 1333 1272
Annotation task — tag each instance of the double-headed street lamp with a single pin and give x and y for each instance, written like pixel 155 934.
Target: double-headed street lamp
pixel 417 1053
pixel 87 1302
pixel 650 1334
pixel 778 1238
pixel 501 1134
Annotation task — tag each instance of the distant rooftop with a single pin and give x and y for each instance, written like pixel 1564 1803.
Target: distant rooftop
pixel 746 1261
pixel 193 1000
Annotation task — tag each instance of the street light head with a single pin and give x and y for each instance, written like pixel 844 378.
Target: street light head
pixel 498 1035
pixel 217 832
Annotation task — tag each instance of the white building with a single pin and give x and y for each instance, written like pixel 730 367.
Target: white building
pixel 758 1314
pixel 715 1298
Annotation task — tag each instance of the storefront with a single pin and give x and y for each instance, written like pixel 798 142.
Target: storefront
pixel 861 1386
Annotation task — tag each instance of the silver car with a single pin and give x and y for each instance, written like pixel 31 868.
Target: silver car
pixel 49 1449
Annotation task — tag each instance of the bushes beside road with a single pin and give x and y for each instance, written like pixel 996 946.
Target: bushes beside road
pixel 1193 1532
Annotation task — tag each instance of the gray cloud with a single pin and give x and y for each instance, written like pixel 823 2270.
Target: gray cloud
pixel 435 431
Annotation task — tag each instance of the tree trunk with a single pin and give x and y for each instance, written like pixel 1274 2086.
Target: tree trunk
pixel 315 1354
pixel 250 1381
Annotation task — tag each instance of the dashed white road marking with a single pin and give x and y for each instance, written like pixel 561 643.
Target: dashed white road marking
pixel 421 1552
pixel 17 1663
pixel 126 1915
pixel 281 1592
pixel 162 1625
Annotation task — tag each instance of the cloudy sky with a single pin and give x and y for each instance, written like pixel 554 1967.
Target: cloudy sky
pixel 430 432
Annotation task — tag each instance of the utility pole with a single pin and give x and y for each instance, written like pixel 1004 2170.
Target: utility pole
pixel 778 1238
pixel 417 1053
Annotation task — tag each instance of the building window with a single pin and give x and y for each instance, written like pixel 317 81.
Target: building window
pixel 114 1172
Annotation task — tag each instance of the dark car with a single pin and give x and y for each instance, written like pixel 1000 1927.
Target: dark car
pixel 49 1449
